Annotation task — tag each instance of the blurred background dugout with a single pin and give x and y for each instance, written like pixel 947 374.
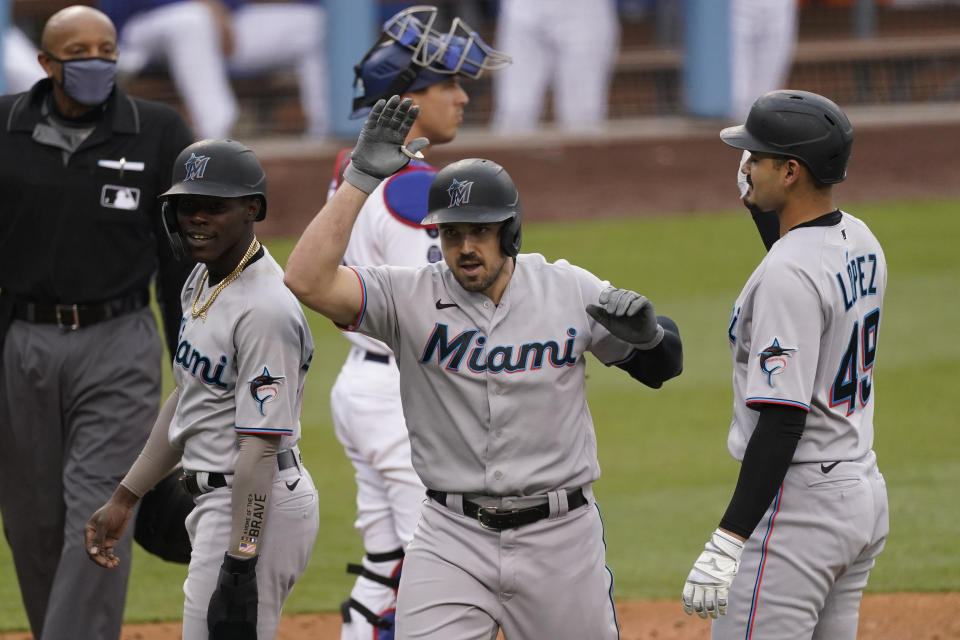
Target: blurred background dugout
pixel 673 59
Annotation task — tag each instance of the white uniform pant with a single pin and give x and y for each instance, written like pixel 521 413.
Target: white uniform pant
pixel 763 36
pixel 265 36
pixel 569 45
pixel 804 568
pixel 547 579
pixel 293 519
pixel 368 420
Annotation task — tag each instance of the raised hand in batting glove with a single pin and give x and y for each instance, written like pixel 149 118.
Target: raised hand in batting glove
pixel 708 583
pixel 629 316
pixel 232 613
pixel 380 151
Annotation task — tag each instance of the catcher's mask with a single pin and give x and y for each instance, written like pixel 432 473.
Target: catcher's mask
pixel 411 55
pixel 476 190
pixel 800 125
pixel 220 168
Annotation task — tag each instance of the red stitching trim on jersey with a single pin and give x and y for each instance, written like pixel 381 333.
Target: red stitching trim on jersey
pixel 786 403
pixel 763 562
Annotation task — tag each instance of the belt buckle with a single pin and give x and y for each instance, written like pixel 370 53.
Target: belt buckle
pixel 72 308
pixel 488 522
pixel 189 482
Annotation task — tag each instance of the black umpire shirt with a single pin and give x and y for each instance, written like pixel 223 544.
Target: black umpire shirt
pixel 84 226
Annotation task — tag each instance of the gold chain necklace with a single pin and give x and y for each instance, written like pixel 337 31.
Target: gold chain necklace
pixel 202 311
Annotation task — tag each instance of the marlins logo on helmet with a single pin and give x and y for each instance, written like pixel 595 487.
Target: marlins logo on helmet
pixel 459 192
pixel 196 165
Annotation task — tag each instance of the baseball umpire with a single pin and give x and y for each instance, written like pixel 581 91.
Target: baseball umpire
pixel 81 242
pixel 233 420
pixel 491 350
pixel 365 400
pixel 809 514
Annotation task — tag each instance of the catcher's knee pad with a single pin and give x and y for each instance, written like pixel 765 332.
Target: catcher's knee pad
pixel 372 602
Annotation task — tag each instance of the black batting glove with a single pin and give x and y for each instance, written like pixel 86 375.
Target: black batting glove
pixel 380 151
pixel 629 316
pixel 232 614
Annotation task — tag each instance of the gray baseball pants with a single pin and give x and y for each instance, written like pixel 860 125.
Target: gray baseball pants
pixel 75 409
pixel 547 579
pixel 804 568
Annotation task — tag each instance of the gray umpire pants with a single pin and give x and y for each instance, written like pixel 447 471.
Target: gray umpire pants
pixel 75 410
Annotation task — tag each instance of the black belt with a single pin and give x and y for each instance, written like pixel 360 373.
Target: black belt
pixel 376 357
pixel 498 519
pixel 285 459
pixel 75 316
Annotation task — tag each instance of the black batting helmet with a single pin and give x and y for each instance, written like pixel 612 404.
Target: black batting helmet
pixel 221 168
pixel 476 190
pixel 801 125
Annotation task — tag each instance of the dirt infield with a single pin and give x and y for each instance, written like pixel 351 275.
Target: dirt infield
pixel 625 175
pixel 882 617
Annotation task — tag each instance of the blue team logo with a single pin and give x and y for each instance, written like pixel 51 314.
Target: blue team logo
pixel 459 193
pixel 196 165
pixel 265 388
pixel 773 359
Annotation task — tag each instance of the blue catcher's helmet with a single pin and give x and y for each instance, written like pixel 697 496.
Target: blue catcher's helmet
pixel 410 55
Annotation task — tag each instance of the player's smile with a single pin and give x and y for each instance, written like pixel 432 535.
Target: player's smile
pixel 216 229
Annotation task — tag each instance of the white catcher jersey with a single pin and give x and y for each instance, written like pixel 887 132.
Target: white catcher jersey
pixel 241 371
pixel 388 230
pixel 803 333
pixel 493 395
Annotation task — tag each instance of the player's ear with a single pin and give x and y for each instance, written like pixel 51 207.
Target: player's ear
pixel 253 207
pixel 791 171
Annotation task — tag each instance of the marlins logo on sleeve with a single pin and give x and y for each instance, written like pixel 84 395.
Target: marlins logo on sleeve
pixel 265 388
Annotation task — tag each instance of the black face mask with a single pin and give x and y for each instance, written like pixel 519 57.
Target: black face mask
pixel 89 81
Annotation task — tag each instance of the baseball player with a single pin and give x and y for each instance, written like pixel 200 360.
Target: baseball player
pixel 365 400
pixel 233 420
pixel 809 515
pixel 490 347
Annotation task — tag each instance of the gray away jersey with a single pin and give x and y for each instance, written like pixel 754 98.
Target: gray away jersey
pixel 493 395
pixel 803 333
pixel 241 371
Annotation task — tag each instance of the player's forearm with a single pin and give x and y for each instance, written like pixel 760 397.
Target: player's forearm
pixel 313 271
pixel 655 366
pixel 252 490
pixel 157 457
pixel 765 463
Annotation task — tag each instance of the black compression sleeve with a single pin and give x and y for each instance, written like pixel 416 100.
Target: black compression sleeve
pixel 655 366
pixel 765 463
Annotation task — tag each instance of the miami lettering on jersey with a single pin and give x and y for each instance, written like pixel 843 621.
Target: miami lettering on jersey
pixel 529 356
pixel 196 363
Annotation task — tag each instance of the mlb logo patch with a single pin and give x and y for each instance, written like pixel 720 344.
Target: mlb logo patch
pixel 116 197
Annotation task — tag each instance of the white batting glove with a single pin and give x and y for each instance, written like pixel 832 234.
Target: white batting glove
pixel 708 582
pixel 741 176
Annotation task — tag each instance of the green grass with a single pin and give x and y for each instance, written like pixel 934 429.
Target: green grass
pixel 666 474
